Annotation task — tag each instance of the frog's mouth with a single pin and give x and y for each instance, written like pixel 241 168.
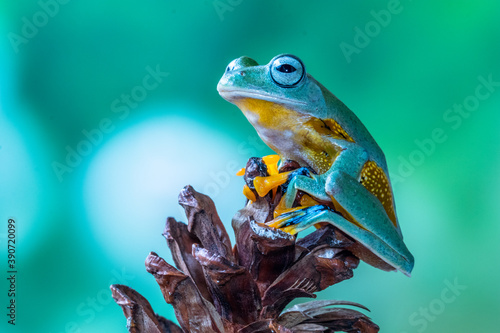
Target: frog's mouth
pixel 233 95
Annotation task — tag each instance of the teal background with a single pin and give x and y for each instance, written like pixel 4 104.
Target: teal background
pixel 81 230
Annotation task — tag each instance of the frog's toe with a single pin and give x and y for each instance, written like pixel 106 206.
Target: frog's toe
pixel 297 219
pixel 287 217
pixel 267 183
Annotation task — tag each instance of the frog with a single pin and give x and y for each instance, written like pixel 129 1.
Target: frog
pixel 340 162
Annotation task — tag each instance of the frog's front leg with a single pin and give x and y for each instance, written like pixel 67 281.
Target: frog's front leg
pixel 351 159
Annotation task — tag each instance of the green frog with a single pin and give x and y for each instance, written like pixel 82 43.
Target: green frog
pixel 301 120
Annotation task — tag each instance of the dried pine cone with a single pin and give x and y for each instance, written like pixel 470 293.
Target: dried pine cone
pixel 217 288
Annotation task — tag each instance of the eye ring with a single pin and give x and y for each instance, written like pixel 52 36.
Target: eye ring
pixel 287 70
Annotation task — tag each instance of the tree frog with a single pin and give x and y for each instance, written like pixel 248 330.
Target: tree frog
pixel 301 120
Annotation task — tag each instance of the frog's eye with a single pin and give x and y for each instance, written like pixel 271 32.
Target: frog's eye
pixel 287 70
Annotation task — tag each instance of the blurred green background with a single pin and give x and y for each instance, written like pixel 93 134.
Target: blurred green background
pixel 94 149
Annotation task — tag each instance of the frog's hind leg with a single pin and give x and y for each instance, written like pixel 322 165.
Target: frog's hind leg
pixel 298 220
pixel 370 218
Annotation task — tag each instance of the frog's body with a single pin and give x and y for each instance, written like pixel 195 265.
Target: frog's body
pixel 302 121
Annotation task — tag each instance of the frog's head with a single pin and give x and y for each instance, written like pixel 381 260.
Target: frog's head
pixel 274 96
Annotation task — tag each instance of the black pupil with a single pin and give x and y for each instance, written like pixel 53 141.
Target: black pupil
pixel 286 68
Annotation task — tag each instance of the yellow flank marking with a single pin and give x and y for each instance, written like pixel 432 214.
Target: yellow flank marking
pixel 322 152
pixel 264 184
pixel 337 130
pixel 322 160
pixel 241 172
pixel 374 179
pixel 329 127
pixel 249 194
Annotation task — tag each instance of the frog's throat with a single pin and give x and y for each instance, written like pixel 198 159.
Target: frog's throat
pixel 270 115
pixel 277 124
